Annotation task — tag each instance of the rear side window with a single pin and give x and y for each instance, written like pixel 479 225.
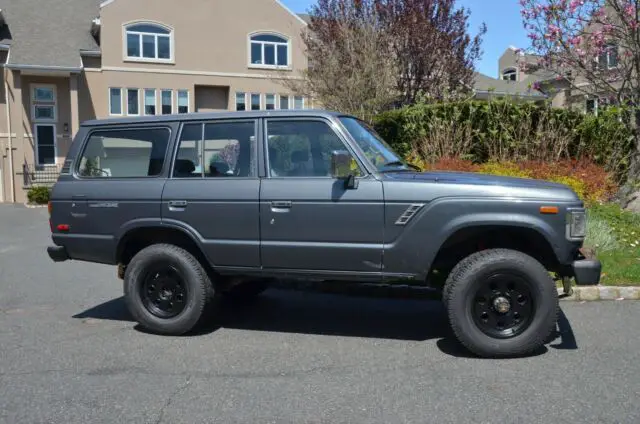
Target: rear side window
pixel 126 153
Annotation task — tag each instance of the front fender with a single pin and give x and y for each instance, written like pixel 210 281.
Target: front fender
pixel 413 247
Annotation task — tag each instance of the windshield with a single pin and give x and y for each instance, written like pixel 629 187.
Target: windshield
pixel 375 148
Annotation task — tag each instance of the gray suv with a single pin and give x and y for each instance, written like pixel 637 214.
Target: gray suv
pixel 196 205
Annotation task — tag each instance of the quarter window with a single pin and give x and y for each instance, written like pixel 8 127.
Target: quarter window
pixel 148 42
pixel 216 150
pixel 150 102
pixel 115 101
pixel 269 50
pixel 167 104
pixel 302 148
pixel 241 101
pixel 183 101
pixel 124 153
pixel 133 103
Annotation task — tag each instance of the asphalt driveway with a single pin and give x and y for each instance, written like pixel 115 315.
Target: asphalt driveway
pixel 69 353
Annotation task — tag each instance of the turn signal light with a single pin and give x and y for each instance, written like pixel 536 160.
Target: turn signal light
pixel 549 210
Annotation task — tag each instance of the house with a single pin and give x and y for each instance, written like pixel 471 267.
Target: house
pixel 66 61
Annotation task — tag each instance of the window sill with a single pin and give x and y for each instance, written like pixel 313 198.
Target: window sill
pixel 270 67
pixel 155 61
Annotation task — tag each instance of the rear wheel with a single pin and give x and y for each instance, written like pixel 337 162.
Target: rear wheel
pixel 501 303
pixel 166 289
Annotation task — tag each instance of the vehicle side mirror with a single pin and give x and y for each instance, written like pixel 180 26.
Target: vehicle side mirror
pixel 341 168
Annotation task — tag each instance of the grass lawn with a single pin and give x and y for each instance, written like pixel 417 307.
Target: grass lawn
pixel 615 235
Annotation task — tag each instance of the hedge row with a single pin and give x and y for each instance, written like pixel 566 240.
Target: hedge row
pixel 502 130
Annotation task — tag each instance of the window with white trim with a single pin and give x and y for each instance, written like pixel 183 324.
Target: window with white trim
pixel 133 102
pixel 43 102
pixel 509 74
pixel 269 51
pixel 167 104
pixel 270 101
pixel 241 101
pixel 150 101
pixel 298 102
pixel 183 101
pixel 284 102
pixel 147 41
pixel 255 101
pixel 115 101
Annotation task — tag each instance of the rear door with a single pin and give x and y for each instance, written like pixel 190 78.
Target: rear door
pixel 213 190
pixel 115 180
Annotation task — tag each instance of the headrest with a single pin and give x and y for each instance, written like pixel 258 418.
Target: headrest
pixel 300 156
pixel 221 167
pixel 185 166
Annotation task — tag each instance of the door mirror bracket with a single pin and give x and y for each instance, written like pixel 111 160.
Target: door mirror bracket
pixel 343 167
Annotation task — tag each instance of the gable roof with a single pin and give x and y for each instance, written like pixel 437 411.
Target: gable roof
pixel 50 36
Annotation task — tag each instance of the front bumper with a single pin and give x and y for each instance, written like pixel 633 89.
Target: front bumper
pixel 58 253
pixel 587 272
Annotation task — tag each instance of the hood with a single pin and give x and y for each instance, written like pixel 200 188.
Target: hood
pixel 513 186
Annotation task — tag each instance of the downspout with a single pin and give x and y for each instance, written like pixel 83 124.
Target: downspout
pixel 10 155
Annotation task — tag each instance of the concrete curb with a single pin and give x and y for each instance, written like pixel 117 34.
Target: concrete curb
pixel 402 291
pixel 592 293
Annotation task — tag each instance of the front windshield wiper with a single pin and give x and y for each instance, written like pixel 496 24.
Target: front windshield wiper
pixel 400 163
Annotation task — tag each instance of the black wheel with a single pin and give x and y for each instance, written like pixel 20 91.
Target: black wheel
pixel 246 290
pixel 166 289
pixel 501 303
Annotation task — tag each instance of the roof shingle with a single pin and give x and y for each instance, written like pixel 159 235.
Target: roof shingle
pixel 49 33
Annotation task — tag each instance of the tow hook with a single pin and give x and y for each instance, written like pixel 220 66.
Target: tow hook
pixel 566 286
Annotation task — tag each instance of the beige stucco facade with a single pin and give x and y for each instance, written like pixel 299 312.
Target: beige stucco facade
pixel 209 59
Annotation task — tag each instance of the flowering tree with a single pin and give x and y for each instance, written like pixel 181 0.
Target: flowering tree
pixel 593 45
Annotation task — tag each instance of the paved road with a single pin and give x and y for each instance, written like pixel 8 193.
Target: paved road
pixel 69 353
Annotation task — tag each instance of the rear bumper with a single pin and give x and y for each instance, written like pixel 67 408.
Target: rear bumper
pixel 58 253
pixel 587 271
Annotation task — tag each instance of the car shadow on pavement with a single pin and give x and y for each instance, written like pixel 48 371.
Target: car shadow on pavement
pixel 328 314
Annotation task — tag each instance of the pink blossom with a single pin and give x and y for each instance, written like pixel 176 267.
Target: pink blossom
pixel 575 41
pixel 630 10
pixel 575 4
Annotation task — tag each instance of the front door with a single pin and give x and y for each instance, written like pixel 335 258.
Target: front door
pixel 45 144
pixel 308 219
pixel 214 188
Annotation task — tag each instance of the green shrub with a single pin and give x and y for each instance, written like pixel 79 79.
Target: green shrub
pixel 38 195
pixel 502 130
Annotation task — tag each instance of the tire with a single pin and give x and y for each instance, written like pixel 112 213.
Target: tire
pixel 483 286
pixel 179 307
pixel 247 290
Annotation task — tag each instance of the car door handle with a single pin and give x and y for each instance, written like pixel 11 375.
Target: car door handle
pixel 177 204
pixel 280 206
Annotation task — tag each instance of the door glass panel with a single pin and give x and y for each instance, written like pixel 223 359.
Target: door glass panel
pixel 229 149
pixel 45 138
pixel 299 148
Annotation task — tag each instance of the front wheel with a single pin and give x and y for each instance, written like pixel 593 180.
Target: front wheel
pixel 166 289
pixel 501 303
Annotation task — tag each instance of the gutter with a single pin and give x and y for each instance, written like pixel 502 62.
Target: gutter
pixel 44 68
pixel 91 53
pixel 506 93
pixel 9 138
pixel 4 46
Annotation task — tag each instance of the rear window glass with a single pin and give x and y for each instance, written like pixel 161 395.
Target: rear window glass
pixel 126 153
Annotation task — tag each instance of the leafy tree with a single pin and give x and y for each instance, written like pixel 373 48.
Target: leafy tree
pixel 366 56
pixel 594 46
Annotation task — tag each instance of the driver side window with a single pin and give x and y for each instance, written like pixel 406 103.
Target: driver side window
pixel 302 148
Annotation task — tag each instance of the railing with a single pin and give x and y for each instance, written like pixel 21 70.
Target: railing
pixel 40 175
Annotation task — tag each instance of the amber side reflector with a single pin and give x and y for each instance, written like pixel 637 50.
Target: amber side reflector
pixel 549 210
pixel 49 207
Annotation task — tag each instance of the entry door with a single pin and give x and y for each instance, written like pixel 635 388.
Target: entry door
pixel 214 189
pixel 45 144
pixel 308 219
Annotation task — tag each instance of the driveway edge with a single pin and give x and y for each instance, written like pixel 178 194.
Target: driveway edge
pixel 593 293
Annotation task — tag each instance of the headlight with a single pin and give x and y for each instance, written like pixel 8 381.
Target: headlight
pixel 576 224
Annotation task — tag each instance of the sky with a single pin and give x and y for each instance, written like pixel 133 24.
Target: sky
pixel 504 27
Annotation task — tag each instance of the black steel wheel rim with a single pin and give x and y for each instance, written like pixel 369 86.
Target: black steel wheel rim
pixel 163 291
pixel 503 305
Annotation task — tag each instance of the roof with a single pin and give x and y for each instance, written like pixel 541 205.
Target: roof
pixel 50 36
pixel 486 84
pixel 204 116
